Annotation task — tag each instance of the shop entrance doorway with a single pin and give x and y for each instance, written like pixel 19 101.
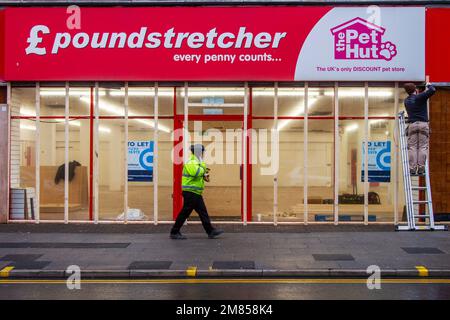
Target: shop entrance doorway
pixel 215 117
pixel 223 141
pixel 223 155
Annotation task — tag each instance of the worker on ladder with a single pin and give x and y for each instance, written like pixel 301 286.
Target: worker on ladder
pixel 418 130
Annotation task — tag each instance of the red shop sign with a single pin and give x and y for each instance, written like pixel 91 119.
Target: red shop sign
pixel 213 44
pixel 438 44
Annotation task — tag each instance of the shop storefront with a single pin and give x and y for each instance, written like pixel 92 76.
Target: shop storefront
pixel 101 103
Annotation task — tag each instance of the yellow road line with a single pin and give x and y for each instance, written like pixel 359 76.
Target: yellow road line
pixel 191 271
pixel 423 272
pixel 229 281
pixel 4 273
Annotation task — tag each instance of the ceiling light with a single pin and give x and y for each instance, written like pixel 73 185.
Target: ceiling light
pixel 351 127
pixel 27 112
pixel 27 127
pixel 297 112
pixel 62 92
pixel 142 92
pixel 360 93
pixel 376 121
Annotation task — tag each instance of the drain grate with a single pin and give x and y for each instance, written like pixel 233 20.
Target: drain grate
pixel 150 265
pixel 25 261
pixel 422 250
pixel 233 265
pixel 62 245
pixel 333 257
pixel 29 265
pixel 20 257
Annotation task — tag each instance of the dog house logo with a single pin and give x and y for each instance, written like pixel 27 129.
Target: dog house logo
pixel 360 39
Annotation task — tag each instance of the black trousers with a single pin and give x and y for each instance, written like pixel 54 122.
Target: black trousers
pixel 192 201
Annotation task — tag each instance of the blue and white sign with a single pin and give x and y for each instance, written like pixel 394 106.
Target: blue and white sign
pixel 140 160
pixel 379 161
pixel 213 100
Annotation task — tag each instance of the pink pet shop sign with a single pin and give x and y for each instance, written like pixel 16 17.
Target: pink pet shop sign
pixel 360 39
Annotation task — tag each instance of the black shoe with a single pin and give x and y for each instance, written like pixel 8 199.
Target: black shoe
pixel 412 171
pixel 177 236
pixel 215 233
pixel 421 170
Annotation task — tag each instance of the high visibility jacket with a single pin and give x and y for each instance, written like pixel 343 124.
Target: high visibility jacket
pixel 193 172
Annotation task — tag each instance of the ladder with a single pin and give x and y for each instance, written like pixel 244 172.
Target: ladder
pixel 413 188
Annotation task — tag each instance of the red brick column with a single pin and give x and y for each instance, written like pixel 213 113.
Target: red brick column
pixel 440 149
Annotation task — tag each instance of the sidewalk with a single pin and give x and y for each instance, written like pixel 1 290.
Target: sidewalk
pixel 47 250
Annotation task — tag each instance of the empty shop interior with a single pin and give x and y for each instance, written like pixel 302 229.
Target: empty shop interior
pixel 320 126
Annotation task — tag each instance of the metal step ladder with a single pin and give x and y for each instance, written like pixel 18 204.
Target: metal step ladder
pixel 416 220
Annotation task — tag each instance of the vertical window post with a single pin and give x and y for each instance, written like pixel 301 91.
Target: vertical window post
pixel 305 155
pixel 366 153
pixel 186 124
pixel 244 156
pixel 66 155
pixel 186 136
pixel 336 154
pixel 91 153
pixel 396 152
pixel 96 150
pixel 155 156
pixel 276 142
pixel 38 151
pixel 125 157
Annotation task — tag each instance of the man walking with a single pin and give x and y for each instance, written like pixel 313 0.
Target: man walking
pixel 195 173
pixel 418 130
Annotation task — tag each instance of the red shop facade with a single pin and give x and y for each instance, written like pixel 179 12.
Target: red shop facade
pixel 311 84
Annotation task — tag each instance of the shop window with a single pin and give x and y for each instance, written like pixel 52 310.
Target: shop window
pixel 381 101
pixel 23 101
pixel 179 96
pixel 381 189
pixel 291 172
pixel 263 158
pixel 381 136
pixel 23 144
pixel 291 102
pixel 165 101
pixel 80 100
pixel 51 178
pixel 23 163
pixel 351 186
pixel 52 101
pixel 320 101
pixel 320 168
pixel 141 186
pixel 263 101
pixel 79 151
pixel 351 101
pixel 165 171
pixel 111 99
pixel 140 101
pixel 111 169
pixel 111 175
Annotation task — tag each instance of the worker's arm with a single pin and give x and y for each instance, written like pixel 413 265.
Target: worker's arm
pixel 427 93
pixel 195 169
